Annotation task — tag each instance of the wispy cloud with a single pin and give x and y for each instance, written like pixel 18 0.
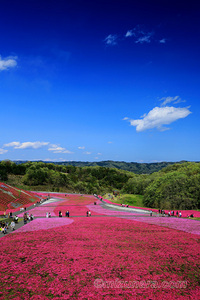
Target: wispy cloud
pixel 26 145
pixel 8 62
pixel 130 33
pixel 140 34
pixel 12 144
pixel 55 159
pixel 159 116
pixel 111 40
pixel 144 39
pixel 87 153
pixel 81 147
pixel 110 142
pixel 3 151
pixel 58 149
pixel 175 100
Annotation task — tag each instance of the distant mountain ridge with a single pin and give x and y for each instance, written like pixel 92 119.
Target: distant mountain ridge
pixel 137 168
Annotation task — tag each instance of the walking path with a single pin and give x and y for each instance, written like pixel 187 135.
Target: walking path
pixel 123 209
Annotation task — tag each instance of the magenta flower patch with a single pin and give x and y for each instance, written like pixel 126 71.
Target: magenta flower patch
pixel 186 225
pixel 44 224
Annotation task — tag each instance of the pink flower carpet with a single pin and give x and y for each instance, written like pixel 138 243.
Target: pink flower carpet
pixel 99 257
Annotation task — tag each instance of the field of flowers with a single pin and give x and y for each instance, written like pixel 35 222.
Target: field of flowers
pixel 99 257
pixel 44 224
pixel 183 224
pixel 185 213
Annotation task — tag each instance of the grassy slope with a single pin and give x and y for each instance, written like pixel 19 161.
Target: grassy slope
pixel 133 200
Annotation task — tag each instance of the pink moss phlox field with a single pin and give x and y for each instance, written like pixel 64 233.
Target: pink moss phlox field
pixel 76 205
pixel 185 213
pixel 44 224
pixel 64 262
pixel 41 210
pixel 187 225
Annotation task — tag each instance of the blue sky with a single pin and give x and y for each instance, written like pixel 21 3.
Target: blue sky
pixel 99 80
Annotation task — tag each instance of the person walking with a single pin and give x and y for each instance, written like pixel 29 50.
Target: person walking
pixel 25 218
pixel 12 225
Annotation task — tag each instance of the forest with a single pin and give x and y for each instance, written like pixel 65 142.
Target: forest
pixel 176 186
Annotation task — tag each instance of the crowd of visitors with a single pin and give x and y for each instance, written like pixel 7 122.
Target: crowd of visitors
pixel 170 213
pixel 88 214
pixel 27 217
pixel 3 227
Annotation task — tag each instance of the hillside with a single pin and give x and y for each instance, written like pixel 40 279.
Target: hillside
pixel 176 186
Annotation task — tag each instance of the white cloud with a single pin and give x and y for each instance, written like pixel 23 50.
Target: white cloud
pixel 124 119
pixel 130 33
pixel 110 142
pixel 8 62
pixel 13 144
pixel 99 153
pixel 3 151
pixel 144 39
pixel 25 145
pixel 58 149
pixel 83 147
pixel 160 116
pixel 88 153
pixel 111 39
pixel 163 41
pixel 34 145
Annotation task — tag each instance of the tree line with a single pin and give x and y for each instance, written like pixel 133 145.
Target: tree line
pixel 137 168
